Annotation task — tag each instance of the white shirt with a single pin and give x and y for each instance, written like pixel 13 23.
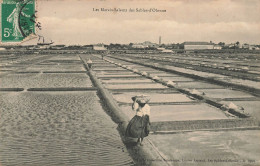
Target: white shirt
pixel 146 110
pixel 141 111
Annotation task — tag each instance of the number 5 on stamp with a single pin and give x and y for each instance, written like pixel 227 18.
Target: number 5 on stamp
pixel 17 22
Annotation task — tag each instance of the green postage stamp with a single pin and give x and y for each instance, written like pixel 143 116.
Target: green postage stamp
pixel 17 20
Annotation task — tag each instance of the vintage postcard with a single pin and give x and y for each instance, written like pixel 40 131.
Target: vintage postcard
pixel 129 82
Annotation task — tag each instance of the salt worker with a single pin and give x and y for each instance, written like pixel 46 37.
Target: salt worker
pixel 139 125
pixel 102 54
pixel 89 62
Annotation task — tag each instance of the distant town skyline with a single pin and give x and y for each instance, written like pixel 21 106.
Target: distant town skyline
pixel 76 22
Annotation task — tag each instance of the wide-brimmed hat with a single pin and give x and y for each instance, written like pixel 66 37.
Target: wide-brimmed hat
pixel 141 98
pixel 141 101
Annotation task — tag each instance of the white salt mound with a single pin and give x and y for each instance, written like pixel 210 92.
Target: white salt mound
pixel 144 73
pixel 232 106
pixel 171 83
pixel 156 78
pixel 195 91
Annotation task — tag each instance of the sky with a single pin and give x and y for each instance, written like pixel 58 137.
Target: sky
pixel 78 22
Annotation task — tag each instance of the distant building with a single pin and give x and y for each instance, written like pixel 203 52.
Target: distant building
pixel 249 47
pixel 150 44
pixel 198 45
pixel 88 47
pixel 252 47
pixel 245 46
pixel 217 47
pixel 138 46
pixel 145 44
pixel 99 48
pixel 232 45
pixel 161 48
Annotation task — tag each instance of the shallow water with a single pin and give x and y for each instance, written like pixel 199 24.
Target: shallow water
pixel 225 93
pixel 107 69
pixel 104 73
pixel 135 86
pixel 56 67
pixel 67 57
pixel 118 75
pixel 198 85
pixel 164 113
pixel 118 81
pixel 154 97
pixel 161 74
pixel 204 145
pixel 58 128
pixel 39 80
pixel 178 79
